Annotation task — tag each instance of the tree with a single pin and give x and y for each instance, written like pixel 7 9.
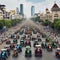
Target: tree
pixel 57 24
pixel 1 24
pixel 8 23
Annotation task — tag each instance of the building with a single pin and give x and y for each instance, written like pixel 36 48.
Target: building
pixel 12 14
pixel 21 9
pixel 17 10
pixel 2 12
pixel 7 15
pixel 17 15
pixel 1 15
pixel 47 16
pixel 51 16
pixel 32 10
pixel 55 12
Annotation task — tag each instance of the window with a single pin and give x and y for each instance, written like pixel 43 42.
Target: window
pixel 56 15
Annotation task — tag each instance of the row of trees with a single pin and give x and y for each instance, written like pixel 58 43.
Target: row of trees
pixel 55 24
pixel 8 23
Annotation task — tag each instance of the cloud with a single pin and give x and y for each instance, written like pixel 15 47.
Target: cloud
pixel 35 1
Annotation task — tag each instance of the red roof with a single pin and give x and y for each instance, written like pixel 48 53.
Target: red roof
pixel 55 6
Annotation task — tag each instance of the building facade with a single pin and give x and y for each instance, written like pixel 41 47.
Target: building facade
pixel 55 12
pixel 51 16
pixel 3 13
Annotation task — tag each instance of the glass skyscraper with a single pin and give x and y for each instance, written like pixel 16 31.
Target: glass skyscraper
pixel 32 10
pixel 21 9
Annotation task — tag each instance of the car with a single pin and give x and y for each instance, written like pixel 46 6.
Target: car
pixel 29 36
pixel 59 45
pixel 12 46
pixel 8 49
pixel 38 34
pixel 35 43
pixel 15 41
pixel 39 39
pixel 4 54
pixel 24 36
pixel 15 53
pixel 49 47
pixel 54 44
pixel 19 48
pixel 27 43
pixel 44 44
pixel 43 35
pixel 12 36
pixel 17 36
pixel 28 52
pixel 48 39
pixel 57 53
pixel 8 42
pixel 33 37
pixel 30 32
pixel 22 43
pixel 34 32
pixel 38 51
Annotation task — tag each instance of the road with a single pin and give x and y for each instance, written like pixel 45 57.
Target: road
pixel 46 55
pixel 48 31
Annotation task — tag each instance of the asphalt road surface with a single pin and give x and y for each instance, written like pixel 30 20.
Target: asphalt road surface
pixel 45 56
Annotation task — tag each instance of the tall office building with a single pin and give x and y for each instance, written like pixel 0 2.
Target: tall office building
pixel 21 9
pixel 17 10
pixel 32 10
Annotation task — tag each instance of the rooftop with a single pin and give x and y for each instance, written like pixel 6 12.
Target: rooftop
pixel 55 7
pixel 2 5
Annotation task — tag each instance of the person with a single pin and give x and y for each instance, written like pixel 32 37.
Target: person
pixel 19 48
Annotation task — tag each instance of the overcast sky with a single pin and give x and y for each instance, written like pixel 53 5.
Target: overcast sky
pixel 40 5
